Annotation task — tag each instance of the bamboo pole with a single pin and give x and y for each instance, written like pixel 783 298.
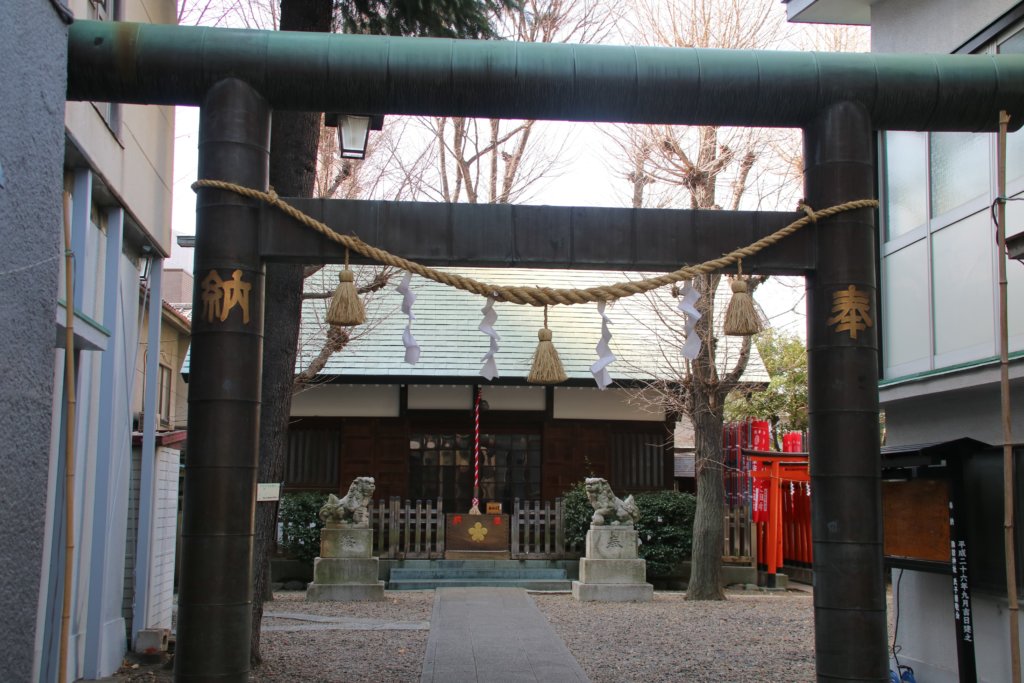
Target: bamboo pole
pixel 1004 393
pixel 69 440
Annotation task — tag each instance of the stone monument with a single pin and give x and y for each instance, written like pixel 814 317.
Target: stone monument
pixel 346 570
pixel 611 571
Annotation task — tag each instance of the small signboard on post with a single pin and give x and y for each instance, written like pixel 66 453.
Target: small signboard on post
pixel 268 493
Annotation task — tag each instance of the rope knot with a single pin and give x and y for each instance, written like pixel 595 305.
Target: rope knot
pixel 803 206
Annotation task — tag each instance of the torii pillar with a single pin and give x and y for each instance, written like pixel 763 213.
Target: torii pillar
pixel 842 364
pixel 215 591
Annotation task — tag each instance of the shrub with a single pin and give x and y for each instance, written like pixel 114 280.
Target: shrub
pixel 665 527
pixel 578 512
pixel 301 525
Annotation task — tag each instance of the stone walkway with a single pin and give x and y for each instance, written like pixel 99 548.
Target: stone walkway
pixel 496 635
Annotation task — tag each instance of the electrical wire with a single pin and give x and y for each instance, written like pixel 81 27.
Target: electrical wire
pixel 63 12
pixel 896 625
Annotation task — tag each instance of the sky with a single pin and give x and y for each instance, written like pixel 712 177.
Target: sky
pixel 589 179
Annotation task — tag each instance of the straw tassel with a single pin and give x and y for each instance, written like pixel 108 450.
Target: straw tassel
pixel 547 366
pixel 346 308
pixel 741 318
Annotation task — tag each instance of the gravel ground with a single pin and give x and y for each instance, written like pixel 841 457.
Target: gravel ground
pixel 341 655
pixel 752 636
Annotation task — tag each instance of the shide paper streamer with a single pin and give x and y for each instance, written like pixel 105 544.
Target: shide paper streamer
pixel 688 307
pixel 605 357
pixel 412 347
pixel 490 369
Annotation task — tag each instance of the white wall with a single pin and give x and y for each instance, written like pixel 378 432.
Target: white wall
pixel 591 404
pixel 347 400
pixel 135 159
pixel 362 400
pixel 930 25
pixel 927 635
pixel 428 397
pixel 513 398
pixel 165 527
pixel 968 412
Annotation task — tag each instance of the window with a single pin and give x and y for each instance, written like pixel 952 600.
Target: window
pixel 907 177
pixel 441 466
pixel 949 155
pixel 938 250
pixel 964 287
pixel 164 395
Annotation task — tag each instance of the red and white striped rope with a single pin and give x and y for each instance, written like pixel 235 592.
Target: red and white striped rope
pixel 476 448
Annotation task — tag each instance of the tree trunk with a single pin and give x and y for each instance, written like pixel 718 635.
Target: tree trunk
pixel 706 557
pixel 707 410
pixel 293 150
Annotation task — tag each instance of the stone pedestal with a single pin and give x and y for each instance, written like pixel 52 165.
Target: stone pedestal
pixel 611 570
pixel 346 571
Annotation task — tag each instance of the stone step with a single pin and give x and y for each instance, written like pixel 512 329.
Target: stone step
pixel 528 584
pixel 406 574
pixel 485 564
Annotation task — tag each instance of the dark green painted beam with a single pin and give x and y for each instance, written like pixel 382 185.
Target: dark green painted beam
pixel 437 234
pixel 160 64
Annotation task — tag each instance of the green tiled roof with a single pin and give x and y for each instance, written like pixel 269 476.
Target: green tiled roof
pixel 452 346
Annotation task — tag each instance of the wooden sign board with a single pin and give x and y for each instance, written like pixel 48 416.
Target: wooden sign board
pixel 464 532
pixel 494 508
pixel 916 518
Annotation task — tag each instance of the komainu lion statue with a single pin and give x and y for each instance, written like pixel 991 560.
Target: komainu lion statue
pixel 350 511
pixel 609 510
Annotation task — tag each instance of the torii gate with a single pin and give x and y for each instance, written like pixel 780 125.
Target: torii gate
pixel 839 100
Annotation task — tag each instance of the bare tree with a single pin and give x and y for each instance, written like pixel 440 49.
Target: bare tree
pixel 501 161
pixel 709 167
pixel 702 167
pixel 257 14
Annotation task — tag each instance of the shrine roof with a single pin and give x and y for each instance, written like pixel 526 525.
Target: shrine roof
pixel 446 328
